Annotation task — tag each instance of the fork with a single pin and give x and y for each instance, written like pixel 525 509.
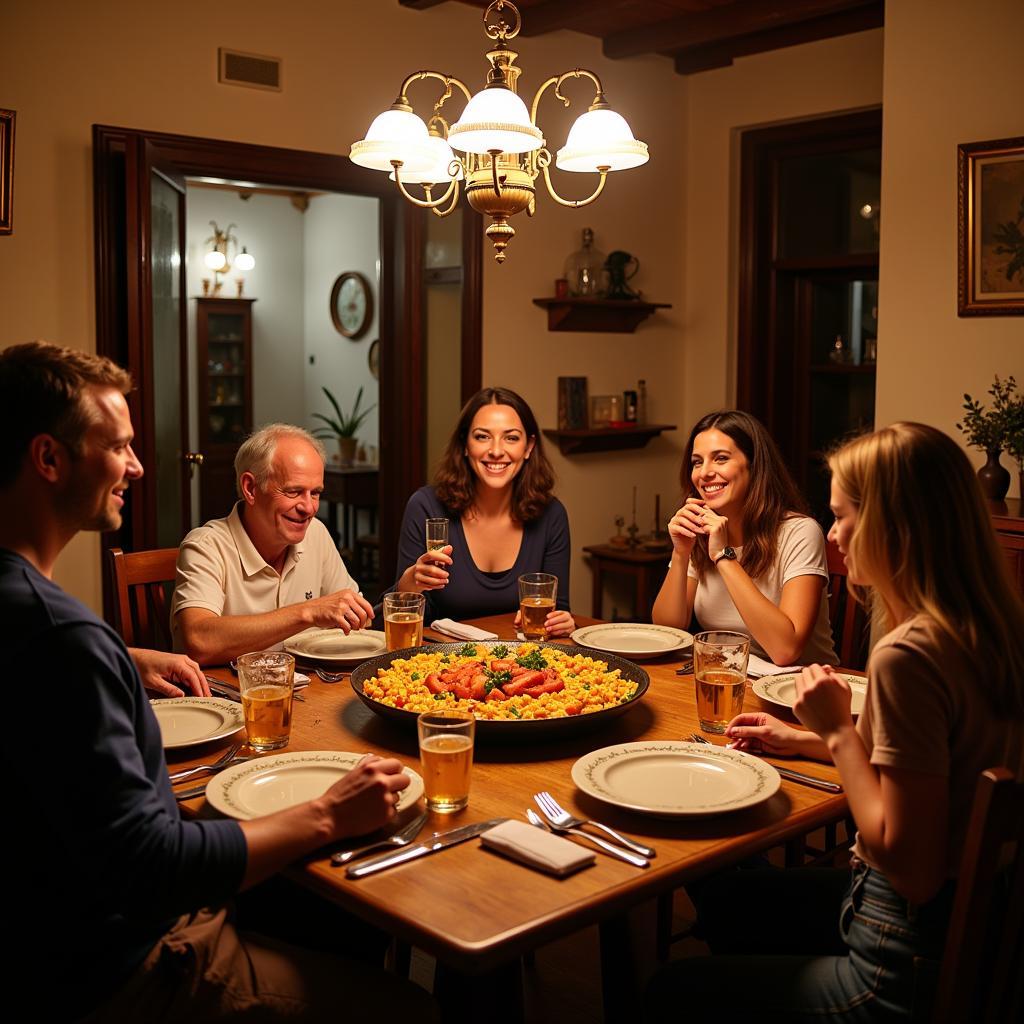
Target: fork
pixel 616 851
pixel 221 762
pixel 561 818
pixel 403 837
pixel 787 773
pixel 329 677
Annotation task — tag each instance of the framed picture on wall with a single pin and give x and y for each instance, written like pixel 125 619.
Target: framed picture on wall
pixel 991 228
pixel 6 171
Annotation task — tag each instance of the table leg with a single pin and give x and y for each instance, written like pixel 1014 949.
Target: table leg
pixel 619 989
pixel 466 999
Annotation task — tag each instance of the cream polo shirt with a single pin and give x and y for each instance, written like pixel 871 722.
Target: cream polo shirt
pixel 220 569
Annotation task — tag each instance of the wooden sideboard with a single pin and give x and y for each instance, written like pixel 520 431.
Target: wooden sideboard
pixel 1008 519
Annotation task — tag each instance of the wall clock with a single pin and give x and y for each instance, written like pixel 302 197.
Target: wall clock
pixel 351 304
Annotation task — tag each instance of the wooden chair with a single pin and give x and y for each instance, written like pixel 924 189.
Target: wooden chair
pixel 981 978
pixel 143 599
pixel 848 618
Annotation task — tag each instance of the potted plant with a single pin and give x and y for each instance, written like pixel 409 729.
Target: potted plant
pixel 993 430
pixel 344 427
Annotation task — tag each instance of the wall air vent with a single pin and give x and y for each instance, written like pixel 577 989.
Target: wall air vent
pixel 249 69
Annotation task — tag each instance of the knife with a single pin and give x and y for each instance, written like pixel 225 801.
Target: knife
pixel 439 841
pixel 220 689
pixel 808 780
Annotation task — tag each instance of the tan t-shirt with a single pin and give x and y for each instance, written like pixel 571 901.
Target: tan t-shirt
pixel 800 552
pixel 220 569
pixel 926 711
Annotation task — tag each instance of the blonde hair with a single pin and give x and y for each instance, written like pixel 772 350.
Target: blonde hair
pixel 924 533
pixel 256 453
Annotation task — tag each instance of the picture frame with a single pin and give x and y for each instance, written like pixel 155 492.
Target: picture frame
pixel 6 171
pixel 990 224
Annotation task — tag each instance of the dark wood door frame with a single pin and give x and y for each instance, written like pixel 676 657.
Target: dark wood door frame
pixel 118 156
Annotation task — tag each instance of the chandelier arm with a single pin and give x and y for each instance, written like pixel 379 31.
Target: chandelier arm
pixel 427 204
pixel 495 153
pixel 448 80
pixel 575 203
pixel 557 80
pixel 451 208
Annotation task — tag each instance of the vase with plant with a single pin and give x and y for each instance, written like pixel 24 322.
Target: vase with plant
pixel 343 426
pixel 993 430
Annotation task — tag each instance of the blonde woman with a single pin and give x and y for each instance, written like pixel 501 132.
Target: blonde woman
pixel 945 701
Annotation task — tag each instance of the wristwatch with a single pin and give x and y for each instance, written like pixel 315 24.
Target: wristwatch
pixel 726 552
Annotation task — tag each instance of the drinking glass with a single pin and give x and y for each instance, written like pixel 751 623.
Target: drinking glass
pixel 537 592
pixel 266 680
pixel 446 758
pixel 403 620
pixel 720 676
pixel 437 534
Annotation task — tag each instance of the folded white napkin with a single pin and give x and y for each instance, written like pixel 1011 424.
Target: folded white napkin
pixel 301 679
pixel 461 631
pixel 537 849
pixel 757 667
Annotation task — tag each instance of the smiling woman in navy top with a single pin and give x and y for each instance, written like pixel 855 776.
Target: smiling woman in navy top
pixel 494 484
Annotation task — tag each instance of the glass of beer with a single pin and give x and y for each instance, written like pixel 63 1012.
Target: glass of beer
pixel 446 758
pixel 403 620
pixel 266 680
pixel 437 534
pixel 720 674
pixel 537 592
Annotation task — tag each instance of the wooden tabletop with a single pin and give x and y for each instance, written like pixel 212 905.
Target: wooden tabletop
pixel 475 910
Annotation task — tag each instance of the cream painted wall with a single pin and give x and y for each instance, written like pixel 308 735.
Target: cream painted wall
pixel 122 64
pixel 961 81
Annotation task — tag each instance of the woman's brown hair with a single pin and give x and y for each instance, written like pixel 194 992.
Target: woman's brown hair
pixel 772 495
pixel 454 481
pixel 924 537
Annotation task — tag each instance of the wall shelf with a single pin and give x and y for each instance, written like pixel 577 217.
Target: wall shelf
pixel 577 442
pixel 614 316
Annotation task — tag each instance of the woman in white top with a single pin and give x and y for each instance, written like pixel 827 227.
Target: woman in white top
pixel 746 556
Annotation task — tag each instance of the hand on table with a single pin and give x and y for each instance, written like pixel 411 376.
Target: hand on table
pixel 429 572
pixel 160 672
pixel 758 733
pixel 365 799
pixel 344 609
pixel 822 700
pixel 557 623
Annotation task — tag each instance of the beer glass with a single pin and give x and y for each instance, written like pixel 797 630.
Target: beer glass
pixel 266 680
pixel 446 758
pixel 537 592
pixel 403 620
pixel 720 676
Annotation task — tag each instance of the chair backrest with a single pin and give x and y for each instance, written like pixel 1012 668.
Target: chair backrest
pixel 848 618
pixel 981 977
pixel 142 581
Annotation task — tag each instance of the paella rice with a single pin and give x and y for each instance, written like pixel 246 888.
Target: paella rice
pixel 531 682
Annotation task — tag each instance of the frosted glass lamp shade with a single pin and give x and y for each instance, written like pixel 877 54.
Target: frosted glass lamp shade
pixel 394 135
pixel 438 171
pixel 495 119
pixel 244 261
pixel 601 138
pixel 215 259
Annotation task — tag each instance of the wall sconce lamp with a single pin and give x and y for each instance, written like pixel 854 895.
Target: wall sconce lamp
pixel 219 258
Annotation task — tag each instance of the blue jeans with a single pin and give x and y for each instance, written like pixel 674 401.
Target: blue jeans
pixel 879 964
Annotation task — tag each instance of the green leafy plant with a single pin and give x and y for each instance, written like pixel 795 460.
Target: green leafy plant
pixel 344 425
pixel 1000 427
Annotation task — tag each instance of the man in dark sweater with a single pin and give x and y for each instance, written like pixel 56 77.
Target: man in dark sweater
pixel 109 890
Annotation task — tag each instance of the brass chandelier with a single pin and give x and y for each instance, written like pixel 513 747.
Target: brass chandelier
pixel 503 151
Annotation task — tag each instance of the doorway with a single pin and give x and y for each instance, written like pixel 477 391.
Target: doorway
pixel 141 292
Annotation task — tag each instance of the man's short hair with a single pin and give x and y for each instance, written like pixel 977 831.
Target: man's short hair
pixel 256 454
pixel 42 391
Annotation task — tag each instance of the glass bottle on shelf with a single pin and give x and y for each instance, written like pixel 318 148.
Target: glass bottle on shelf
pixel 584 269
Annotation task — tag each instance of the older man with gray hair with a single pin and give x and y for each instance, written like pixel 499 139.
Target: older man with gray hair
pixel 270 569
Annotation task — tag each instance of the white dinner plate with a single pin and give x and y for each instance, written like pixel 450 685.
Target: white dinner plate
pixel 781 689
pixel 671 779
pixel 268 784
pixel 332 645
pixel 185 721
pixel 633 640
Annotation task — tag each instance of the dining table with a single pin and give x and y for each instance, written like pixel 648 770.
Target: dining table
pixel 479 913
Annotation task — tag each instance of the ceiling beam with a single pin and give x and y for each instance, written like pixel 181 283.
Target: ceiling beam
pixel 551 15
pixel 420 5
pixel 720 55
pixel 719 24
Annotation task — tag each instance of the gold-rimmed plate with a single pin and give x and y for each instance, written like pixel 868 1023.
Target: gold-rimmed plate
pixel 780 689
pixel 633 640
pixel 186 721
pixel 334 647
